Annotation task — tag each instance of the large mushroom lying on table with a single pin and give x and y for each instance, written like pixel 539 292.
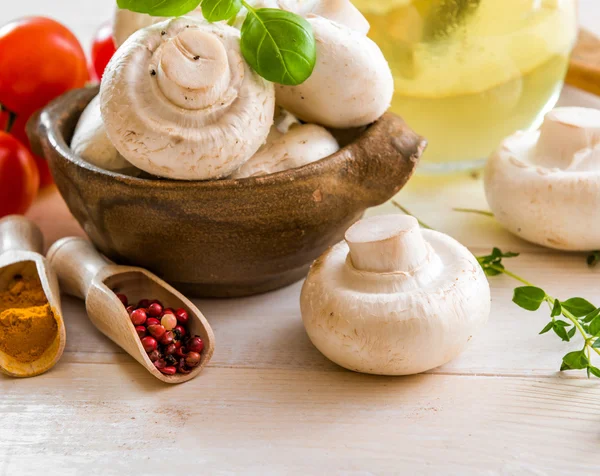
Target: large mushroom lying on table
pixel 393 299
pixel 544 186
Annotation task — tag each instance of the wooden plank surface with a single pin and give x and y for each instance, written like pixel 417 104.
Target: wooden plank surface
pixel 270 403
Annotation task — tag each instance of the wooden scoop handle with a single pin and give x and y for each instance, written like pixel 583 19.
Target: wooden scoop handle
pixel 584 69
pixel 77 263
pixel 18 233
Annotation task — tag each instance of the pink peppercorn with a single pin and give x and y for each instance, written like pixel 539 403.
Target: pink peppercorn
pixel 169 370
pixel 195 344
pixel 154 355
pixel 179 332
pixel 138 317
pixel 192 359
pixel 123 299
pixel 155 309
pixel 149 343
pixel 141 331
pixel 144 303
pixel 182 316
pixel 169 321
pixel 167 338
pixel 157 331
pixel 152 321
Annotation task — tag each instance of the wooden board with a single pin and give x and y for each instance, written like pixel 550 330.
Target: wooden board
pixel 270 403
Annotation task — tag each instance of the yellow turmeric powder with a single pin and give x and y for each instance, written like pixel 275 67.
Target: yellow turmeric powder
pixel 27 325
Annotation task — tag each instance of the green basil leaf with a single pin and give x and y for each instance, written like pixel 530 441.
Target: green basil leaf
pixel 219 10
pixel 529 297
pixel 594 327
pixel 492 271
pixel 571 333
pixel 160 8
pixel 548 327
pixel 561 332
pixel 594 371
pixel 575 361
pixel 561 323
pixel 557 309
pixel 596 344
pixel 579 307
pixel 591 316
pixel 280 46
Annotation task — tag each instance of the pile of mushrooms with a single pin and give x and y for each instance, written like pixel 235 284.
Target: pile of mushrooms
pixel 544 186
pixel 393 299
pixel 179 101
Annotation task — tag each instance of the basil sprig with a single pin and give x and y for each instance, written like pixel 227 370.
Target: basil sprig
pixel 279 45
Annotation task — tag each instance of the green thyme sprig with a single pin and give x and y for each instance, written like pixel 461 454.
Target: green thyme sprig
pixel 580 314
pixel 567 318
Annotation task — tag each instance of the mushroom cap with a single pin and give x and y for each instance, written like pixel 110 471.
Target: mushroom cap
pixel 179 101
pixel 544 186
pixel 351 85
pixel 409 320
pixel 301 145
pixel 91 143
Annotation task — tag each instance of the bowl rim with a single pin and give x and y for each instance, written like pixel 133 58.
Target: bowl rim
pixel 47 132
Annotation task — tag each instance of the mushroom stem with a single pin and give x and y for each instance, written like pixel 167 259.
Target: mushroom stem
pixel 387 244
pixel 566 131
pixel 193 71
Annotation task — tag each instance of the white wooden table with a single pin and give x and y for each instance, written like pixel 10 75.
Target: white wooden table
pixel 271 403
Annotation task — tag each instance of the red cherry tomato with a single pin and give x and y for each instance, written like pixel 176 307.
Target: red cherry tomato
pixel 18 130
pixel 103 49
pixel 19 179
pixel 40 59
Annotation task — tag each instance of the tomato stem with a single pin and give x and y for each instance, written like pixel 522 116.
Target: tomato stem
pixel 12 117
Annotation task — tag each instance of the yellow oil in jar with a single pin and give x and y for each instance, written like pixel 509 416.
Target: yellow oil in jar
pixel 470 72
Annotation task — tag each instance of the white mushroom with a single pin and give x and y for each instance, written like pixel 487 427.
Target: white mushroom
pixel 91 143
pixel 393 299
pixel 351 85
pixel 301 145
pixel 179 101
pixel 544 186
pixel 126 22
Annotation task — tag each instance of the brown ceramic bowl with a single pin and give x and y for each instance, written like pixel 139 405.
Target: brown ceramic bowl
pixel 226 238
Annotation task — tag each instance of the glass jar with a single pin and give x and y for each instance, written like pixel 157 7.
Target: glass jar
pixel 470 72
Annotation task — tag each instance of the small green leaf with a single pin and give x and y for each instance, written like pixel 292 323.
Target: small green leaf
pixel 548 327
pixel 592 315
pixel 529 297
pixel 492 271
pixel 575 361
pixel 571 333
pixel 596 344
pixel 593 259
pixel 594 371
pixel 561 323
pixel 219 10
pixel 594 327
pixel 579 307
pixel 557 309
pixel 561 332
pixel 280 46
pixel 160 8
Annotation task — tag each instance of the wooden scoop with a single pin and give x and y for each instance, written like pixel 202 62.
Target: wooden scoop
pixel 85 274
pixel 584 68
pixel 21 245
